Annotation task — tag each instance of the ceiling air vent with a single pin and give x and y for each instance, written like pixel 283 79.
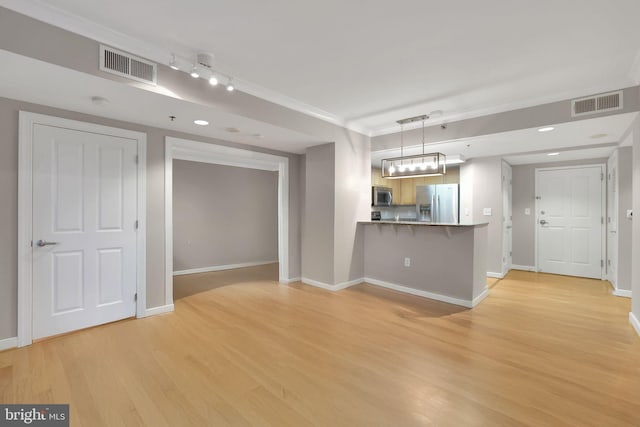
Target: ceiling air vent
pixel 596 104
pixel 126 65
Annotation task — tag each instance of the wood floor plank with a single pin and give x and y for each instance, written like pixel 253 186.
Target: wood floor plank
pixel 243 350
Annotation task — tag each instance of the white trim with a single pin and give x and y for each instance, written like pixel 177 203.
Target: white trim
pixel 477 300
pixel 603 210
pixel 622 293
pixel 8 343
pixel 158 310
pixel 495 275
pixel 421 293
pixel 634 322
pixel 523 267
pixel 182 149
pixel 336 287
pixel 291 280
pixel 221 267
pixel 25 211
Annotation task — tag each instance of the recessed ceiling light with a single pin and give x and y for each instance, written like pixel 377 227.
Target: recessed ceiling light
pixel 213 81
pixel 546 129
pixel 194 72
pixel 598 135
pixel 201 122
pixel 230 87
pixel 232 130
pixel 258 135
pixel 552 154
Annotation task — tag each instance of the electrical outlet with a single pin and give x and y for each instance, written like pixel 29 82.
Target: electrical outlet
pixel 486 212
pixel 407 262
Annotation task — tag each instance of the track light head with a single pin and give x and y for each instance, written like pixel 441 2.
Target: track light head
pixel 194 72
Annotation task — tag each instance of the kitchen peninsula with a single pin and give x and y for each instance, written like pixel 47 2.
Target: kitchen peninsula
pixel 445 262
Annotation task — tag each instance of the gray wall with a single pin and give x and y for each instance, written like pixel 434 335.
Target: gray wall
pixel 635 250
pixel 319 210
pixel 524 183
pixel 481 187
pixel 223 215
pixel 155 203
pixel 450 265
pixel 625 226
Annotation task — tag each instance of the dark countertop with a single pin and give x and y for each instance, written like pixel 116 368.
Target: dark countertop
pixel 421 223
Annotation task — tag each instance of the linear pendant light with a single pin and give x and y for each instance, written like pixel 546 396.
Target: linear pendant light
pixel 429 164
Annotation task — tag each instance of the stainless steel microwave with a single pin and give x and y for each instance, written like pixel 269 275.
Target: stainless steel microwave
pixel 381 196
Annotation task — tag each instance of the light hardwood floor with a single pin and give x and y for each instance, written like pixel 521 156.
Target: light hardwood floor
pixel 541 350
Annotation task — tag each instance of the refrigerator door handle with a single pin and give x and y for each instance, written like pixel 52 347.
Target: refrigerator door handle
pixel 433 208
pixel 438 207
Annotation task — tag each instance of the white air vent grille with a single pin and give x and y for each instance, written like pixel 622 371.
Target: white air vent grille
pixel 126 65
pixel 596 104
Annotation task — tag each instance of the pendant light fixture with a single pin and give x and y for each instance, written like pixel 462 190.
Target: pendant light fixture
pixel 425 164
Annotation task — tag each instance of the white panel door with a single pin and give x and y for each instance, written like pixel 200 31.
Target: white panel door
pixel 569 221
pixel 84 238
pixel 612 219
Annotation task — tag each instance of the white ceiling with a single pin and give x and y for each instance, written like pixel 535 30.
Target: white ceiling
pixel 370 63
pixel 22 78
pixel 584 139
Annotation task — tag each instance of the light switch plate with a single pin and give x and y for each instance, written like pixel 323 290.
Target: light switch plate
pixel 486 211
pixel 527 211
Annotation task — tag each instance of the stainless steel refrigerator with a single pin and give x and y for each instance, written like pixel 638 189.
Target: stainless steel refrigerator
pixel 438 203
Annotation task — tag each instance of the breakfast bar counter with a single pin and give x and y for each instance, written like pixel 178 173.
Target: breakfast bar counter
pixel 445 262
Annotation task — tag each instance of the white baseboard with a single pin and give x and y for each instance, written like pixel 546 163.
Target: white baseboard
pixel 622 293
pixel 336 287
pixel 523 267
pixel 421 293
pixel 634 322
pixel 158 310
pixel 8 343
pixel 495 275
pixel 222 267
pixel 287 281
pixel 477 300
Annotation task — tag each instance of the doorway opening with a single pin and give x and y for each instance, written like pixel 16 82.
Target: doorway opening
pixel 178 150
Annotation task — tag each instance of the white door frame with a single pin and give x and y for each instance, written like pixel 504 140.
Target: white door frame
pixel 182 149
pixel 603 208
pixel 27 121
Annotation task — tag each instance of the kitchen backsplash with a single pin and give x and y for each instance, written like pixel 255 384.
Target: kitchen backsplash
pixel 389 213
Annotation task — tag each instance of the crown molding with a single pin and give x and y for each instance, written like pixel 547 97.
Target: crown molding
pixel 59 18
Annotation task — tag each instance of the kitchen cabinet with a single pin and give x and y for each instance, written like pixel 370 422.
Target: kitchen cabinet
pixel 404 190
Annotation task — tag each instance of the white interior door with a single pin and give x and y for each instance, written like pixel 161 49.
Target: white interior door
pixel 507 217
pixel 570 220
pixel 84 236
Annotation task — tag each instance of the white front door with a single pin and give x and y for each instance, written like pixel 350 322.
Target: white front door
pixel 570 220
pixel 612 219
pixel 84 236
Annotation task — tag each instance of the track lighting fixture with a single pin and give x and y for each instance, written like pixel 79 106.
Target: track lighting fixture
pixel 201 68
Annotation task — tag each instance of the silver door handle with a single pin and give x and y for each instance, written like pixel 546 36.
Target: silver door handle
pixel 543 222
pixel 42 243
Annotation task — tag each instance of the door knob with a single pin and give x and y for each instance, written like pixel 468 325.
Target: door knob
pixel 42 243
pixel 543 222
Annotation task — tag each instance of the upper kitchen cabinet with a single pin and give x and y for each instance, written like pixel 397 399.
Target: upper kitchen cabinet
pixel 404 189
